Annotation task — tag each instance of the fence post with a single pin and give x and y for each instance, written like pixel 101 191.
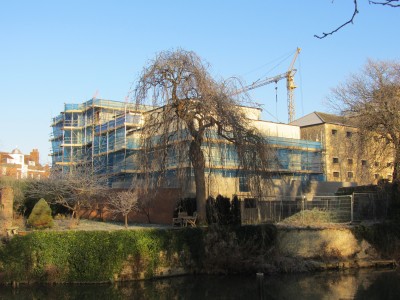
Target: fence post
pixel 352 207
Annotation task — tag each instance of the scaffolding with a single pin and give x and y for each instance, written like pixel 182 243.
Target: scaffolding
pixel 92 131
pixel 107 133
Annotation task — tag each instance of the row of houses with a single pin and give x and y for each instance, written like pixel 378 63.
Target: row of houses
pixel 17 165
pixel 313 151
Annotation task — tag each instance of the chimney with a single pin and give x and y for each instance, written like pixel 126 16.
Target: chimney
pixel 34 156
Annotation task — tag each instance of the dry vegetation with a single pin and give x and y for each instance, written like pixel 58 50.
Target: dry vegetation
pixel 62 223
pixel 311 218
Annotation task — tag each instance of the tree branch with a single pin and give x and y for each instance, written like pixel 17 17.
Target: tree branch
pixel 341 26
pixel 386 3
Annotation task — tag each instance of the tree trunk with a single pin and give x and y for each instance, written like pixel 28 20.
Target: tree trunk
pixel 126 220
pixel 396 165
pixel 197 159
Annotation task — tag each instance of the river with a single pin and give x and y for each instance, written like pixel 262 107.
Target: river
pixel 362 284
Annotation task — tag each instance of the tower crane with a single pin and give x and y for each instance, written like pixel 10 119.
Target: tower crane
pixel 290 85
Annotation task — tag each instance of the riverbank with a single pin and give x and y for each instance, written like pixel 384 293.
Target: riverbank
pixel 122 255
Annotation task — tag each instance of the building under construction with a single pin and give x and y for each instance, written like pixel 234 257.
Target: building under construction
pixel 108 135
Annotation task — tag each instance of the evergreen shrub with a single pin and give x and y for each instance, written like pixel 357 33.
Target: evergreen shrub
pixel 40 216
pixel 223 211
pixel 385 237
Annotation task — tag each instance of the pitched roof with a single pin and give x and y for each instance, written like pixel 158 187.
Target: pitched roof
pixel 316 118
pixel 332 119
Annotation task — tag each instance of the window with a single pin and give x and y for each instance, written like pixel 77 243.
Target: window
pixel 376 176
pixel 243 184
pixel 334 131
pixel 363 162
pixel 376 164
pixel 389 164
pixel 335 160
pixel 349 161
pixel 349 134
pixel 349 174
pixel 336 174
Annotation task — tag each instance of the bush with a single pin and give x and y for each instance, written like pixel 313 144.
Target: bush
pixel 239 249
pixel 222 211
pixel 98 256
pixel 385 237
pixel 40 216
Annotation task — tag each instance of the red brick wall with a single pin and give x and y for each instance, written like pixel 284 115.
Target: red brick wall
pixel 161 210
pixel 6 209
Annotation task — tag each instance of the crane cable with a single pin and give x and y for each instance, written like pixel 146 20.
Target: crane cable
pixel 301 88
pixel 276 100
pixel 280 60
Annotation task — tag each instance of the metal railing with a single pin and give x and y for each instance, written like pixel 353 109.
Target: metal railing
pixel 321 209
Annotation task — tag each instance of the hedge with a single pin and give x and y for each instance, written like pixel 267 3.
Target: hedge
pixel 106 256
pixel 94 256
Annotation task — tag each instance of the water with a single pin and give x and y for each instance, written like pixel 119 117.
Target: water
pixel 364 284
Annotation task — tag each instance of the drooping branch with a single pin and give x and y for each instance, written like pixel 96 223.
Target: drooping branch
pixel 194 111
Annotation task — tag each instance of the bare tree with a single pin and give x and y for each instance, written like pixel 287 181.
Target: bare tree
pixel 194 109
pixel 74 190
pixel 124 203
pixel 371 99
pixel 390 3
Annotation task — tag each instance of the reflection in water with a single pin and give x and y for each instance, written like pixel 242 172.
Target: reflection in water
pixel 365 284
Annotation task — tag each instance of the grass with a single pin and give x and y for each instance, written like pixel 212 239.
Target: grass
pixel 61 224
pixel 88 225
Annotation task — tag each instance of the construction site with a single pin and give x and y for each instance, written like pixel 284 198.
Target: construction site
pixel 109 136
pixel 107 133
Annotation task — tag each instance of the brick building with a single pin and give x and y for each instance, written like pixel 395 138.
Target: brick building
pixel 347 156
pixel 17 165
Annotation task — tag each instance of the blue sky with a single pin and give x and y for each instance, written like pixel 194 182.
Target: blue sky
pixel 56 52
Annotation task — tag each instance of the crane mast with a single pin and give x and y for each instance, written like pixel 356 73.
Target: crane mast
pixel 290 85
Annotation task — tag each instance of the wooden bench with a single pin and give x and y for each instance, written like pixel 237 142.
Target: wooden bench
pixel 184 220
pixel 190 220
pixel 179 220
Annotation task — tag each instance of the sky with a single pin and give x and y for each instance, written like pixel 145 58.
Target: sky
pixel 56 52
